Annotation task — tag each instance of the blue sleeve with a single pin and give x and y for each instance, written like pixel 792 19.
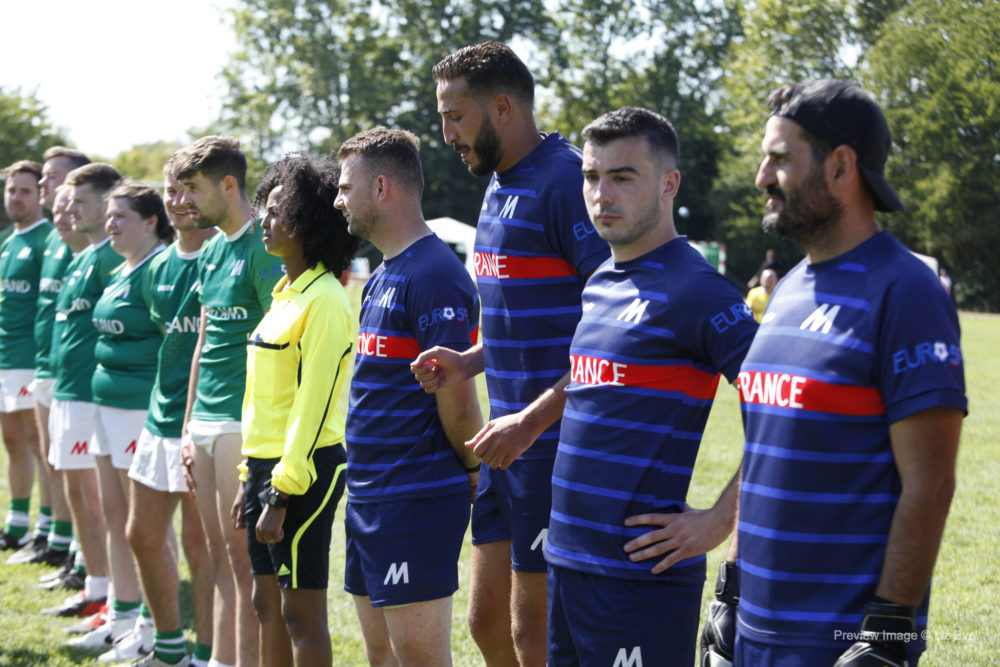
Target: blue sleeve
pixel 919 348
pixel 443 308
pixel 568 227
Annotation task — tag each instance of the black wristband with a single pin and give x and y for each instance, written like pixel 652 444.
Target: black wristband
pixel 887 622
pixel 473 469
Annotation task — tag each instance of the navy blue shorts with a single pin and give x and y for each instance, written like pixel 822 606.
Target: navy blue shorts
pixel 600 621
pixel 405 551
pixel 749 653
pixel 514 504
pixel 302 558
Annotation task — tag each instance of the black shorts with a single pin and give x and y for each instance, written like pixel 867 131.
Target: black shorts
pixel 302 558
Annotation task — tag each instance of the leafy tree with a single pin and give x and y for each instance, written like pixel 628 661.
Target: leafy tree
pixel 938 77
pixel 145 161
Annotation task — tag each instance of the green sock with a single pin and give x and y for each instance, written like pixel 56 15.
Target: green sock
pixel 203 651
pixel 43 522
pixel 145 614
pixel 18 520
pixel 121 609
pixel 169 646
pixel 61 535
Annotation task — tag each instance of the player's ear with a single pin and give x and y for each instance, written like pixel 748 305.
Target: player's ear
pixel 841 165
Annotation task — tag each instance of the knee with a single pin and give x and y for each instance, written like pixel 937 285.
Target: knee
pixel 195 548
pixel 140 537
pixel 265 604
pixel 487 625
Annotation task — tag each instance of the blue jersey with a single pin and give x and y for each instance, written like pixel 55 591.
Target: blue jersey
pixel 656 333
pixel 847 347
pixel 396 445
pixel 535 246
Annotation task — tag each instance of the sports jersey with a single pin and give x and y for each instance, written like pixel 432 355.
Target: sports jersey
pixel 535 245
pixel 20 269
pixel 396 445
pixel 127 340
pixel 297 360
pixel 172 287
pixel 56 258
pixel 236 275
pixel 645 361
pixel 74 335
pixel 848 346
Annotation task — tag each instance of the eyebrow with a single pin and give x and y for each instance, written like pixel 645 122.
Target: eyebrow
pixel 613 170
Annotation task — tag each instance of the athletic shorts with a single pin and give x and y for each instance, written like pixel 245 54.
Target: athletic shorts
pixel 514 504
pixel 405 551
pixel 749 653
pixel 72 431
pixel 15 391
pixel 43 389
pixel 205 433
pixel 302 558
pixel 157 463
pixel 118 434
pixel 600 621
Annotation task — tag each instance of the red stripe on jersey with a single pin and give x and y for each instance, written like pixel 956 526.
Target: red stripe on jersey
pixel 393 347
pixel 802 393
pixel 687 379
pixel 474 335
pixel 505 266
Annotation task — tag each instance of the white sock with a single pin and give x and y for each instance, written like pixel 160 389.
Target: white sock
pixel 215 663
pixel 95 588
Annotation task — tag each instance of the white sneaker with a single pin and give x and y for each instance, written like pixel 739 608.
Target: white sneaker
pixel 103 637
pixel 132 645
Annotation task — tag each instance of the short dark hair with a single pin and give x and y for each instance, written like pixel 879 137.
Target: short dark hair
pixel 385 151
pixel 24 167
pixel 75 157
pixel 99 176
pixel 147 202
pixel 628 122
pixel 309 190
pixel 215 157
pixel 489 68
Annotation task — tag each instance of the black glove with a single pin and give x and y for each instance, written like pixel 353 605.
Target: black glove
pixel 885 629
pixel 718 638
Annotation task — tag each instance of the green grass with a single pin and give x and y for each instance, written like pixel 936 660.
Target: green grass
pixel 963 609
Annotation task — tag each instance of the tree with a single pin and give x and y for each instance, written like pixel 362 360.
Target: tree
pixel 938 78
pixel 25 130
pixel 145 161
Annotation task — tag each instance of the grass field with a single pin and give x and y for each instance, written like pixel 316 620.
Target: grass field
pixel 964 599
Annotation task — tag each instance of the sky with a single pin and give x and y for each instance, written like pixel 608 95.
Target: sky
pixel 115 73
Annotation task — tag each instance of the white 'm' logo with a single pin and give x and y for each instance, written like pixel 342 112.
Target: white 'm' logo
pixel 387 297
pixel 238 267
pixel 540 540
pixel 821 319
pixel 634 311
pixel 508 208
pixel 396 572
pixel 626 659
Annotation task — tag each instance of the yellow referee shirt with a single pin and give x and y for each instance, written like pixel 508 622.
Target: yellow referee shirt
pixel 297 360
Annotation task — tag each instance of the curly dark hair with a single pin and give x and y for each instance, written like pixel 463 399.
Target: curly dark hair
pixel 309 190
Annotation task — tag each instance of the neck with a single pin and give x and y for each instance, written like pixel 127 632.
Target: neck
pixel 294 267
pixel 238 215
pixel 402 233
pixel 96 235
pixel 24 225
pixel 77 243
pixel 846 234
pixel 135 257
pixel 662 234
pixel 192 240
pixel 520 141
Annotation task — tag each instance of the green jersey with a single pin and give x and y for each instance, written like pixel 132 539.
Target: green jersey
pixel 74 335
pixel 127 340
pixel 236 276
pixel 56 259
pixel 172 283
pixel 20 269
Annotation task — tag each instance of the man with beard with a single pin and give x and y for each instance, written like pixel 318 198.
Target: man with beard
pixel 853 397
pixel 59 161
pixel 20 269
pixel 659 327
pixel 236 275
pixel 535 246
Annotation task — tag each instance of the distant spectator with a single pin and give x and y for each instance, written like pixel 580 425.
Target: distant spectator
pixel 770 262
pixel 945 281
pixel 760 296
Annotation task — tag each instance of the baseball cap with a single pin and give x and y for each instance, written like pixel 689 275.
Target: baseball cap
pixel 841 112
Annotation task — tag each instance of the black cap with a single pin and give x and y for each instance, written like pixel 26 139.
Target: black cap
pixel 841 112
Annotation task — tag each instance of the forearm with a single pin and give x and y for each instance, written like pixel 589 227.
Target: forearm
pixel 195 367
pixel 458 409
pixel 548 408
pixel 473 360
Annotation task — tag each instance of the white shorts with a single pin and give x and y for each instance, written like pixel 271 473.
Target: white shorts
pixel 15 392
pixel 43 389
pixel 157 463
pixel 72 429
pixel 205 433
pixel 117 433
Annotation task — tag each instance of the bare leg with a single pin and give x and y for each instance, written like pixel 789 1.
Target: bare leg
pixel 378 646
pixel 489 614
pixel 421 632
pixel 84 499
pixel 224 606
pixel 56 485
pixel 529 614
pixel 115 505
pixel 199 560
pixel 20 439
pixel 304 611
pixel 150 515
pixel 275 644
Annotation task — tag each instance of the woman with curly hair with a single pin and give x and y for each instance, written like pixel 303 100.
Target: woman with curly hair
pixel 294 461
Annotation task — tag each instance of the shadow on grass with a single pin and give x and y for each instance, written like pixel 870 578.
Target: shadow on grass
pixel 27 657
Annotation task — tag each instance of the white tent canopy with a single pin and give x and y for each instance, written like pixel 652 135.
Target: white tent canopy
pixel 461 237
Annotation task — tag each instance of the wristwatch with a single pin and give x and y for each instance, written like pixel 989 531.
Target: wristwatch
pixel 276 500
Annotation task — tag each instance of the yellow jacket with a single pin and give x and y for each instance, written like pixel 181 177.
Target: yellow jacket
pixel 297 361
